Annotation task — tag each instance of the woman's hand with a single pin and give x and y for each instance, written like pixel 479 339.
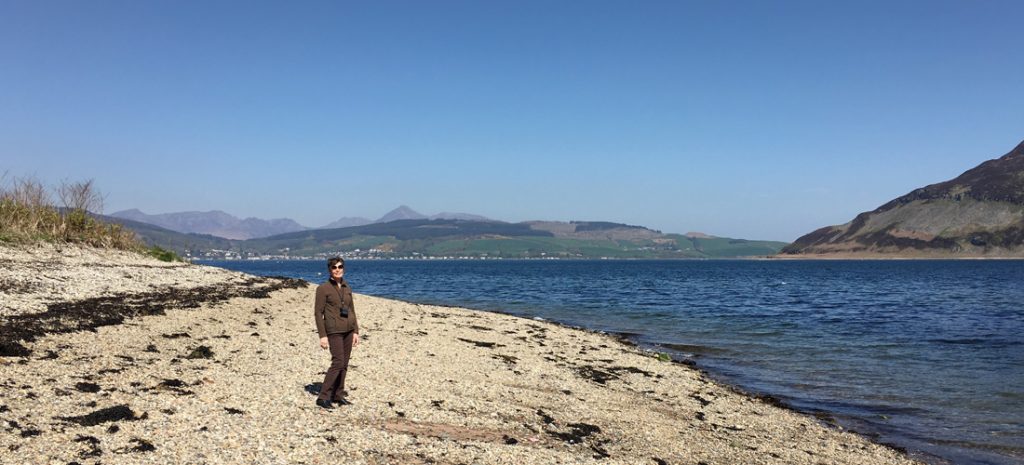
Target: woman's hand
pixel 323 343
pixel 355 339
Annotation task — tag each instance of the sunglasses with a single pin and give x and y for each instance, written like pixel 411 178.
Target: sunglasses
pixel 338 267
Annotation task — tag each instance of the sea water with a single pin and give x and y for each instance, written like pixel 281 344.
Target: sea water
pixel 925 355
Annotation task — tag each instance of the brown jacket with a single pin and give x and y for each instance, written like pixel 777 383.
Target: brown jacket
pixel 327 309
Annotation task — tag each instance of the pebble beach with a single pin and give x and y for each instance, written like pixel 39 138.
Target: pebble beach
pixel 113 357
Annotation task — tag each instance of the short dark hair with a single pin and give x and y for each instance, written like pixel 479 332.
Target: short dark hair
pixel 334 260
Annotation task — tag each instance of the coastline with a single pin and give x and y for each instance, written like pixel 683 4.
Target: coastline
pixel 430 384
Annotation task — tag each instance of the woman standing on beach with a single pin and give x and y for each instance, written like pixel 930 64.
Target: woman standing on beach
pixel 339 331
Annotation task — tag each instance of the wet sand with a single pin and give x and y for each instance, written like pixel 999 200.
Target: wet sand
pixel 148 362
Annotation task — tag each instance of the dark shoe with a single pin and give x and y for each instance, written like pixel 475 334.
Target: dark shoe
pixel 324 403
pixel 342 401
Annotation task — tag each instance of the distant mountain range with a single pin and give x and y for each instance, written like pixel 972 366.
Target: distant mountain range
pixel 221 224
pixel 978 214
pixel 422 236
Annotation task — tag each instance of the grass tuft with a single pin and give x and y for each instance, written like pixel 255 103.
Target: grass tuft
pixel 27 215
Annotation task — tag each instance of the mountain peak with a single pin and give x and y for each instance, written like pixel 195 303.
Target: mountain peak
pixel 403 212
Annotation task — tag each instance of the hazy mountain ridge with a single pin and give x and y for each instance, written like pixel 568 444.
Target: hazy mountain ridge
pixel 225 225
pixel 979 213
pixel 346 222
pixel 214 222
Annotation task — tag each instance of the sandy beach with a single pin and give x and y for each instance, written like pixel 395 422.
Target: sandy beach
pixel 117 358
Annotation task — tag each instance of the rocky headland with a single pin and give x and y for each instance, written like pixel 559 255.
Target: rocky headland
pixel 112 357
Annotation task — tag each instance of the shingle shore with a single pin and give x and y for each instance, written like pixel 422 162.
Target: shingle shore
pixel 229 381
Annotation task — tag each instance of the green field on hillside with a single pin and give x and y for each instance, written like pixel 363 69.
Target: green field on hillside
pixel 723 247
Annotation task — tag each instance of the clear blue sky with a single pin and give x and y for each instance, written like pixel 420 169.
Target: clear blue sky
pixel 760 120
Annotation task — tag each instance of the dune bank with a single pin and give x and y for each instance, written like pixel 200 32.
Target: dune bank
pixel 117 358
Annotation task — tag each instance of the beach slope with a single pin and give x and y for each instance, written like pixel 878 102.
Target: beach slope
pixel 115 358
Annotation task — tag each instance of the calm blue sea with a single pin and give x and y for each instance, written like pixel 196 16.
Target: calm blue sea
pixel 927 355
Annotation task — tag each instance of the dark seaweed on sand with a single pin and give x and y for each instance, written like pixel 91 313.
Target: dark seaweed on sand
pixel 89 314
pixel 577 432
pixel 28 432
pixel 50 355
pixel 93 444
pixel 13 349
pixel 200 352
pixel 176 335
pixel 594 374
pixel 116 413
pixel 486 345
pixel 142 445
pixel 87 387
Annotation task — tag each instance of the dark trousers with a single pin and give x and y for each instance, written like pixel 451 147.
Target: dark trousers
pixel 334 381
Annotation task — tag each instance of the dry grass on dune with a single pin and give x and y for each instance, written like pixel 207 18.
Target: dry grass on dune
pixel 28 215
